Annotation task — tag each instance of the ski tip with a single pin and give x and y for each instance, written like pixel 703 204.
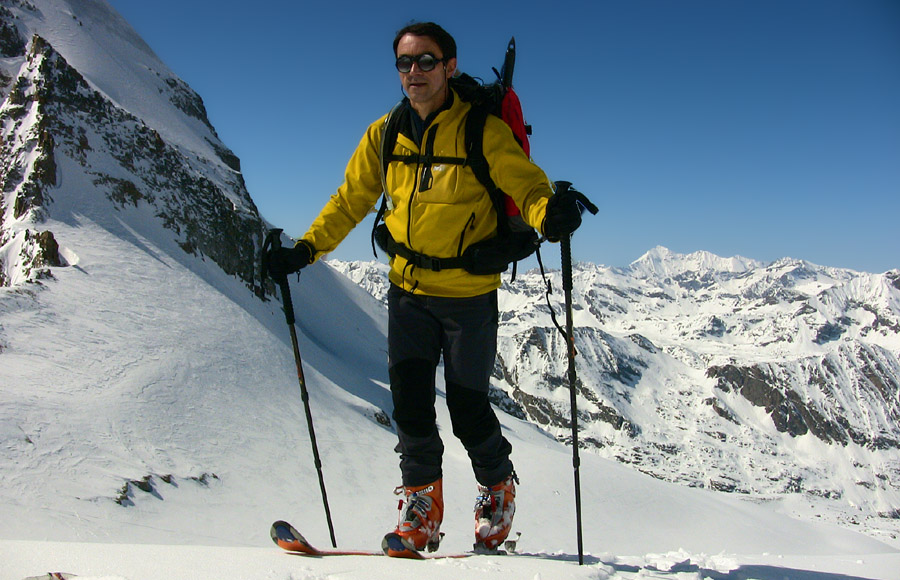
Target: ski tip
pixel 394 547
pixel 288 538
pixel 283 531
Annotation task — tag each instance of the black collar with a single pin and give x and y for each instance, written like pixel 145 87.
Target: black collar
pixel 415 126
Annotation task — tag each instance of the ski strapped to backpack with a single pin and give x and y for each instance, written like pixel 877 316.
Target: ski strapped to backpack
pixel 515 239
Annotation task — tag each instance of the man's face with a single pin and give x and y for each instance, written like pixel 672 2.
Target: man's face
pixel 426 89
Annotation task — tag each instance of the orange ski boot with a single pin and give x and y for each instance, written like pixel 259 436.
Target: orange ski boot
pixel 494 511
pixel 419 525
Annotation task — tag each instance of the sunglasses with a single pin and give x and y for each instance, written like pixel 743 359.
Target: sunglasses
pixel 426 62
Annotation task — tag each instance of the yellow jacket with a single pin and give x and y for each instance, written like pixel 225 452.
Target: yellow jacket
pixel 441 220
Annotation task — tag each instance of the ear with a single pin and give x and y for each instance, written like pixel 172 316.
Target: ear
pixel 451 67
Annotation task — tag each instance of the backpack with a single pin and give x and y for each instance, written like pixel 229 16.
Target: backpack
pixel 515 239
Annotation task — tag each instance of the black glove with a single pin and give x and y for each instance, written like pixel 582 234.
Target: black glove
pixel 284 261
pixel 564 211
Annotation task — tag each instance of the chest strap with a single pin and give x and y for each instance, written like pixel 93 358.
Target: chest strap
pixel 393 248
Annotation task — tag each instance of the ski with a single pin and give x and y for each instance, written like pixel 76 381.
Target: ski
pixel 290 540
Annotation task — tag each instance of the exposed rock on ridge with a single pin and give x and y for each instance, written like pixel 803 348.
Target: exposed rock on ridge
pixel 56 126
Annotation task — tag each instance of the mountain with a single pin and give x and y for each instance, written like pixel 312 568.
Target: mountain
pixel 148 391
pixel 770 380
pixel 88 109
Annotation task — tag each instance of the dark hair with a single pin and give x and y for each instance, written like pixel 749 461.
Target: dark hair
pixel 433 31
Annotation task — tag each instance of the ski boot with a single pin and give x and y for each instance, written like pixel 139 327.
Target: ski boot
pixel 494 511
pixel 419 525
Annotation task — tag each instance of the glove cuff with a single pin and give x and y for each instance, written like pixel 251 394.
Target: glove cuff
pixel 311 250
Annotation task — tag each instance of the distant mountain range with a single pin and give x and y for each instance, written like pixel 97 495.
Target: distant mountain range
pixel 726 373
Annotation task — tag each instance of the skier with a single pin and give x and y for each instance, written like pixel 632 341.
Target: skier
pixel 436 211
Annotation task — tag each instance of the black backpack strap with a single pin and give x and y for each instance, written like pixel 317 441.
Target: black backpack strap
pixel 426 159
pixel 475 122
pixel 394 248
pixel 388 138
pixel 378 217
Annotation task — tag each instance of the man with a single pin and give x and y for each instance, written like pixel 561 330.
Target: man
pixel 438 210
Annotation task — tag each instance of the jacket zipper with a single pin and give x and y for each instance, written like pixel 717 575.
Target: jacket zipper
pixel 430 135
pixel 462 236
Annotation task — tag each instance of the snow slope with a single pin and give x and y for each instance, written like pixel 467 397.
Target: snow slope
pixel 133 367
pixel 150 419
pixel 116 61
pixel 155 562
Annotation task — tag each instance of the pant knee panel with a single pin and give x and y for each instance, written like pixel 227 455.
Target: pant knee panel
pixel 471 413
pixel 412 390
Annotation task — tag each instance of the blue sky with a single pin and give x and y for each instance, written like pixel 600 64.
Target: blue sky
pixel 761 128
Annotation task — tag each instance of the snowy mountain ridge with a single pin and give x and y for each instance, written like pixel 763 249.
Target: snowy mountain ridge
pixel 662 262
pixel 66 127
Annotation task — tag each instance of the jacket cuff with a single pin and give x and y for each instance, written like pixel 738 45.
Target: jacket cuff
pixel 310 247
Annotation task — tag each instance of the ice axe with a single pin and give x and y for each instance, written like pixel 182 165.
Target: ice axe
pixel 273 242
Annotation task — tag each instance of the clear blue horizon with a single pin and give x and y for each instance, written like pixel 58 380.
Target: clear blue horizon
pixel 764 128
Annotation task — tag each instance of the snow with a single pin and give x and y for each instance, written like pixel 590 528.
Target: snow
pixel 101 45
pixel 110 375
pixel 660 262
pixel 155 562
pixel 151 426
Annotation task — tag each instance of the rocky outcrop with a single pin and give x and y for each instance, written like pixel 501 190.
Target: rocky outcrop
pixel 790 413
pixel 51 112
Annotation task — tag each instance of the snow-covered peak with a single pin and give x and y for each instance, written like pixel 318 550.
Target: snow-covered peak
pixel 660 262
pixel 92 121
pixel 96 41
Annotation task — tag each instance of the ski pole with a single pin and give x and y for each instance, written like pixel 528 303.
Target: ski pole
pixel 566 249
pixel 273 242
pixel 565 244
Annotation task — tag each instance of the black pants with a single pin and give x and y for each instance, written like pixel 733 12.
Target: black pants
pixel 464 330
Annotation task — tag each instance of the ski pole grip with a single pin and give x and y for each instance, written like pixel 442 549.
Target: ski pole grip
pixel 273 242
pixel 565 188
pixel 562 187
pixel 565 247
pixel 565 244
